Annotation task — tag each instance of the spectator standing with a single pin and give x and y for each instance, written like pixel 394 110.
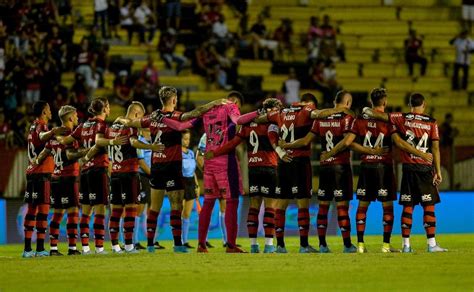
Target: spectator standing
pixel 468 13
pixel 33 76
pixel 464 47
pixel 145 22
pixel 283 36
pixel 123 89
pixel 173 9
pixel 448 134
pixel 100 12
pixel 150 72
pixel 126 19
pixel 114 18
pixel 414 53
pixel 291 88
pixel 261 40
pixel 313 39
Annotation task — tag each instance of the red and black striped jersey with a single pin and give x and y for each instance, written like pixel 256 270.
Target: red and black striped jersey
pixel 124 157
pixel 259 139
pixel 374 133
pixel 332 130
pixel 294 122
pixel 418 130
pixel 35 146
pixel 161 133
pixel 62 165
pixel 85 134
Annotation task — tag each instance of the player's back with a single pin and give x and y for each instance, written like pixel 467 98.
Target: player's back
pixel 124 157
pixel 219 129
pixel 373 133
pixel 259 148
pixel 85 133
pixel 332 130
pixel 62 165
pixel 35 146
pixel 418 130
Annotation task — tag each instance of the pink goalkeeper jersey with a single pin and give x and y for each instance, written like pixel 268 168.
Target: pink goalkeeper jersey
pixel 220 127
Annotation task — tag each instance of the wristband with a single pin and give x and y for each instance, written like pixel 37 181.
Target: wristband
pixel 111 142
pixel 281 153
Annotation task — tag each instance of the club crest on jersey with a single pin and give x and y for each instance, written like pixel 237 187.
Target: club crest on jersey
pixel 338 193
pixel 426 198
pixel 405 198
pixel 253 189
pixel 361 192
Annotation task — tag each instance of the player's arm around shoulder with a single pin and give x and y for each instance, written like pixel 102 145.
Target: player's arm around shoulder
pixel 375 114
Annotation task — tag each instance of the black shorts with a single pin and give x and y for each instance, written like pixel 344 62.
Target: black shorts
pixel 38 188
pixel 144 196
pixel 262 181
pixel 294 179
pixel 189 188
pixel 417 188
pixel 376 182
pixel 94 187
pixel 65 192
pixel 335 182
pixel 124 188
pixel 167 176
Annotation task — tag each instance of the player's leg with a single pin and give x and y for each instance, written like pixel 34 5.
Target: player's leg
pixel 280 220
pixel 342 195
pixel 269 224
pixel 361 218
pixel 325 197
pixel 71 226
pixel 407 220
pixel 222 204
pixel 156 202
pixel 282 194
pixel 252 222
pixel 116 210
pixel 322 223
pixel 407 199
pixel 30 219
pixel 54 231
pixel 387 195
pixel 42 189
pixel 131 188
pixel 138 224
pixel 304 175
pixel 86 211
pixel 142 206
pixel 99 228
pixel 99 189
pixel 229 188
pixel 344 223
pixel 186 215
pixel 429 221
pixel 176 201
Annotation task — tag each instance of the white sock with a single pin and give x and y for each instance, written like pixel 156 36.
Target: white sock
pixel 72 248
pixel 406 241
pixel 86 248
pixel 116 247
pixel 431 241
pixel 268 241
pixel 129 247
pixel 53 248
pixel 99 249
pixel 253 241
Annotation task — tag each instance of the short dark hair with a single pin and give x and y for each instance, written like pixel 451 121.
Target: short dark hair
pixel 236 94
pixel 38 107
pixel 377 95
pixel 97 105
pixel 271 103
pixel 309 97
pixel 416 99
pixel 340 96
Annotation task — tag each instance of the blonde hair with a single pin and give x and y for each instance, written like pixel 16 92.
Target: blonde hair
pixel 166 93
pixel 64 112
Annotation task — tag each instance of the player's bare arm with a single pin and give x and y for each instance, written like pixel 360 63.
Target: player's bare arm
pixel 405 146
pixel 224 149
pixel 46 136
pixel 42 156
pixel 66 140
pixel 302 142
pixel 200 110
pixel 437 163
pixel 343 144
pixel 368 150
pixel 324 113
pixel 273 136
pixel 104 142
pixel 375 114
pixel 129 123
pixel 75 154
pixel 144 166
pixel 140 145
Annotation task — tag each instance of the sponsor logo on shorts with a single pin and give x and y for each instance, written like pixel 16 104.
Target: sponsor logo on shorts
pixel 338 193
pixel 253 189
pixel 34 195
pixel 27 195
pixel 265 190
pixel 277 190
pixel 294 190
pixel 426 198
pixel 64 200
pixel 361 192
pixel 92 196
pixel 321 193
pixel 51 199
pixel 405 198
pixel 170 183
pixel 124 196
pixel 383 192
pixel 81 196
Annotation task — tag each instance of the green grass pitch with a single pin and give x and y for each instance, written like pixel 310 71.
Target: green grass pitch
pixel 217 271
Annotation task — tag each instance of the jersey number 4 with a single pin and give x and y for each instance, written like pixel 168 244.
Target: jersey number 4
pixel 422 143
pixel 368 140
